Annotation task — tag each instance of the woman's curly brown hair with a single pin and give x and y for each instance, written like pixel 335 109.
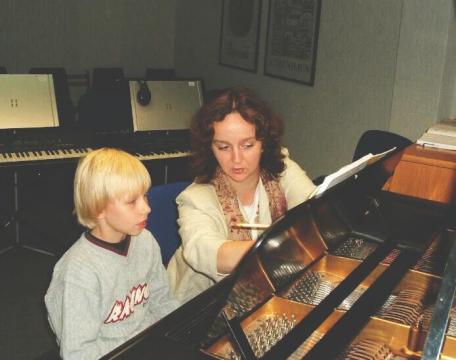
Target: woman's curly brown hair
pixel 268 125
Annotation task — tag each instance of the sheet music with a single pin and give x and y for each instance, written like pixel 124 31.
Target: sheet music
pixel 347 171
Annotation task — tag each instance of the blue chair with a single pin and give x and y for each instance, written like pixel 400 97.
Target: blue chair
pixel 162 219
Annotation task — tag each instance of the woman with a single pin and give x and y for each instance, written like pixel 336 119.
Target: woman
pixel 242 175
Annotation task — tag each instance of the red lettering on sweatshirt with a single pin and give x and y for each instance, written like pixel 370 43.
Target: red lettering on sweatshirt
pixel 123 309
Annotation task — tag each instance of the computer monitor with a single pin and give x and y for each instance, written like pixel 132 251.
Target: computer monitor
pixel 27 101
pixel 172 104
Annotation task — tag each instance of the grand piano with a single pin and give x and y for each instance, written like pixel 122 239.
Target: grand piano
pixel 357 273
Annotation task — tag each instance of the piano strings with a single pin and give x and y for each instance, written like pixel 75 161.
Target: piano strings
pixel 409 307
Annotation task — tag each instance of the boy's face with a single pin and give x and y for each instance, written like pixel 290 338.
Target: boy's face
pixel 125 216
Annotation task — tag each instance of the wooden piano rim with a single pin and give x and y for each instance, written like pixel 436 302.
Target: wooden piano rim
pixel 430 156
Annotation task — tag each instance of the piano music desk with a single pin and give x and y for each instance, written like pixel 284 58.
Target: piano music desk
pixel 426 173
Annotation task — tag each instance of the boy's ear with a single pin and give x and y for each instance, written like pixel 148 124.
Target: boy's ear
pixel 101 215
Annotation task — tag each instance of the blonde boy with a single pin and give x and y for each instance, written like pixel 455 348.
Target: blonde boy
pixel 111 283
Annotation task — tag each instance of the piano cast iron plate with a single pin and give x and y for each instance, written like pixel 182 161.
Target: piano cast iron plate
pixel 386 336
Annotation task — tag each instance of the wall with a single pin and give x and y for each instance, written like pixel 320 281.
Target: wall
pixel 420 88
pixel 381 64
pixel 447 106
pixel 363 55
pixel 83 34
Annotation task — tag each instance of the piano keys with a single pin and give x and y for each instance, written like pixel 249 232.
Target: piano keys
pixel 32 146
pixel 159 145
pixel 40 155
pixel 76 153
pixel 170 154
pixel 351 275
pixel 35 146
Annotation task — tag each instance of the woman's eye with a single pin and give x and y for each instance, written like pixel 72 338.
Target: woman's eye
pixel 222 147
pixel 248 145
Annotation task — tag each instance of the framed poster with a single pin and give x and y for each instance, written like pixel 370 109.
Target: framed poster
pixel 292 37
pixel 239 34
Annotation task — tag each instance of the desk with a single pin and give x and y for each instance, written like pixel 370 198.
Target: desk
pixel 426 173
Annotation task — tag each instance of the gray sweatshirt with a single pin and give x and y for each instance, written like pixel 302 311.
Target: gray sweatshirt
pixel 98 298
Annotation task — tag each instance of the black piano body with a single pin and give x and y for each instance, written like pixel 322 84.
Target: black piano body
pixel 355 271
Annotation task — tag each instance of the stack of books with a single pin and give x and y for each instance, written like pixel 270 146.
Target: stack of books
pixel 441 135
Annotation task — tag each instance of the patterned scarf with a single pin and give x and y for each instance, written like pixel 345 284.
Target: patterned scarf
pixel 230 205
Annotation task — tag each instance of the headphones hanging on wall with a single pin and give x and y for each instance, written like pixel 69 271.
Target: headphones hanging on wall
pixel 143 96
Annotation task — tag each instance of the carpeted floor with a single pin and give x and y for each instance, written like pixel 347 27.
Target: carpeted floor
pixel 24 278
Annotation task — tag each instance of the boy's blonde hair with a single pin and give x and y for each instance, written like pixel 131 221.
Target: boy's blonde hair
pixel 103 175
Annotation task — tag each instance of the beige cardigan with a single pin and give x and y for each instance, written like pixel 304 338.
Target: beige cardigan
pixel 203 229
